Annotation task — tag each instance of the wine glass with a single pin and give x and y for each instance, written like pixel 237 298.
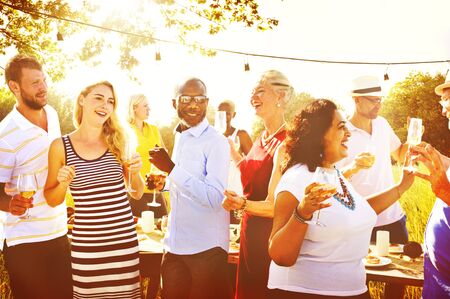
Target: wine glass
pixel 157 176
pixel 129 151
pixel 164 224
pixel 414 137
pixel 220 121
pixel 370 149
pixel 27 186
pixel 328 178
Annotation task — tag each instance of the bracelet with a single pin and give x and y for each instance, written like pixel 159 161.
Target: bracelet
pixel 298 217
pixel 244 205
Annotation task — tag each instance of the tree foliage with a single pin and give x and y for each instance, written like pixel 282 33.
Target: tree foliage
pixel 415 97
pixel 31 26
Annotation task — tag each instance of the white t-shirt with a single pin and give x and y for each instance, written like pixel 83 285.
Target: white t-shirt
pixel 330 259
pixel 381 143
pixel 24 150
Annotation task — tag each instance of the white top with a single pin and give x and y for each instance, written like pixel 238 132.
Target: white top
pixel 379 177
pixel 197 220
pixel 24 149
pixel 330 259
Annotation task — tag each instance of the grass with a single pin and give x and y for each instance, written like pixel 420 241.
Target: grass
pixel 417 203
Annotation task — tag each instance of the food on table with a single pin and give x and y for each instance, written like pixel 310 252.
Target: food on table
pixel 370 259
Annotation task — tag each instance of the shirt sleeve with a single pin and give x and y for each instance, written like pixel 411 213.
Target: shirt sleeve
pixel 208 191
pixel 7 161
pixel 294 181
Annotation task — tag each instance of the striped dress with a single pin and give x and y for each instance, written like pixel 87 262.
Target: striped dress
pixel 105 250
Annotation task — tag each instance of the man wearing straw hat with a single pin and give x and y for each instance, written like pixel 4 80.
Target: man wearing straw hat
pixel 372 133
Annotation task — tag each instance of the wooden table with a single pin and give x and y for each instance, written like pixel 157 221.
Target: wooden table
pixel 400 273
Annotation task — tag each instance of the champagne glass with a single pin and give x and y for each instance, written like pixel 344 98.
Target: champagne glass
pixel 414 137
pixel 369 148
pixel 129 151
pixel 328 179
pixel 220 121
pixel 157 177
pixel 27 186
pixel 237 143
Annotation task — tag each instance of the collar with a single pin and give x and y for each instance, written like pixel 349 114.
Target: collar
pixel 21 121
pixel 195 131
pixel 352 128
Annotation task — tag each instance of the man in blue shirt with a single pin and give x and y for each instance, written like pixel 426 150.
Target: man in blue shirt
pixel 195 261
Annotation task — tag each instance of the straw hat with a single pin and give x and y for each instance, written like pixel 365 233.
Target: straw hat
pixel 439 90
pixel 366 86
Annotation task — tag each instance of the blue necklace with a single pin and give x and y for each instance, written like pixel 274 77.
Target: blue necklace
pixel 345 198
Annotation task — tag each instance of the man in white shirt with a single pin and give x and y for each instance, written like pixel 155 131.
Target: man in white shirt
pixel 372 133
pixel 36 249
pixel 195 261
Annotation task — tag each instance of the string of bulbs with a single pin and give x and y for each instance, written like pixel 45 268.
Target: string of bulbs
pixel 60 37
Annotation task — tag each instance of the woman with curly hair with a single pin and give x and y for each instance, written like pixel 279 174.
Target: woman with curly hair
pixel 321 261
pixel 91 161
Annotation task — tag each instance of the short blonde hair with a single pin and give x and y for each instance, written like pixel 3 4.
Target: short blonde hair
pixel 113 131
pixel 279 82
pixel 133 101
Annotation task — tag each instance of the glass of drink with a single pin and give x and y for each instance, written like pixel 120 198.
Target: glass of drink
pixel 129 151
pixel 414 136
pixel 328 180
pixel 220 121
pixel 27 186
pixel 157 176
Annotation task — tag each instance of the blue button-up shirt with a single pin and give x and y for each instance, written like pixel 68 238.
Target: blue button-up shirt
pixel 197 221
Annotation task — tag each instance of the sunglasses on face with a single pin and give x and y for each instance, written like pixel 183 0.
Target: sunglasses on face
pixel 188 99
pixel 374 100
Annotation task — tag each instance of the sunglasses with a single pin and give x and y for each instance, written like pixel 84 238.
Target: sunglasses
pixel 374 100
pixel 188 99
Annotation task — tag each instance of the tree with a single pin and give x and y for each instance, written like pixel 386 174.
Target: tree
pixel 415 97
pixel 32 26
pixel 298 102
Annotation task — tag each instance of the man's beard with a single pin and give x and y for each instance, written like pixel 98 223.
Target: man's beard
pixel 30 102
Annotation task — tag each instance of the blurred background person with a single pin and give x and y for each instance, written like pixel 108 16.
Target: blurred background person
pixel 93 162
pixel 437 233
pixel 269 98
pixel 148 137
pixel 321 258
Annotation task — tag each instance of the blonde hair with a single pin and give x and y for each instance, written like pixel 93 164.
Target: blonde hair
pixel 113 131
pixel 133 101
pixel 279 82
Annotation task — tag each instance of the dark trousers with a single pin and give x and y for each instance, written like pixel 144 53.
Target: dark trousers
pixel 282 294
pixel 40 270
pixel 397 231
pixel 196 276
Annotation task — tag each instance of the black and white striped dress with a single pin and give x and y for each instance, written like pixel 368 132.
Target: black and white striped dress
pixel 105 250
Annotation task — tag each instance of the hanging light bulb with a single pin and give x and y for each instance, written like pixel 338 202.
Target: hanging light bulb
pixel 59 37
pixel 386 76
pixel 157 56
pixel 246 65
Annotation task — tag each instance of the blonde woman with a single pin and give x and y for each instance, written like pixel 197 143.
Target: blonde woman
pixel 148 137
pixel 91 162
pixel 269 98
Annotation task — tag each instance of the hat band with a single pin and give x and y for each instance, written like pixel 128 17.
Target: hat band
pixel 367 90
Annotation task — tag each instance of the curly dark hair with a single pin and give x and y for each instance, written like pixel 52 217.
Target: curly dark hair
pixel 304 141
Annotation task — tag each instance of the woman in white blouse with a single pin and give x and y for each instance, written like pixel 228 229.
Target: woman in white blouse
pixel 325 260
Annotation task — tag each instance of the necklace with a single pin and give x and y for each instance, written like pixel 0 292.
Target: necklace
pixel 345 198
pixel 268 138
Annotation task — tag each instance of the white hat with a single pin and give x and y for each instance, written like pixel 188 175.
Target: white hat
pixel 439 90
pixel 366 86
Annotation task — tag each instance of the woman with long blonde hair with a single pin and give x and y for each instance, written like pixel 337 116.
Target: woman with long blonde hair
pixel 92 162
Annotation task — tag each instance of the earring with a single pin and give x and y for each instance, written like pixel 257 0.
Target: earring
pixel 278 105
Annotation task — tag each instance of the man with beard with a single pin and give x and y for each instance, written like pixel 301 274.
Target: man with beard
pixel 36 248
pixel 195 261
pixel 371 133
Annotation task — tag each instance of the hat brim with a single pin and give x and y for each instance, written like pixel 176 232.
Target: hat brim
pixel 439 90
pixel 369 94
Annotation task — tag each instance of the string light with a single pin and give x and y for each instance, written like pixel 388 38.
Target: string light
pixel 38 13
pixel 59 37
pixel 157 54
pixel 386 76
pixel 246 65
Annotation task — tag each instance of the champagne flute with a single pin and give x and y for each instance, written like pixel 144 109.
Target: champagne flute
pixel 27 186
pixel 129 155
pixel 414 137
pixel 220 121
pixel 328 179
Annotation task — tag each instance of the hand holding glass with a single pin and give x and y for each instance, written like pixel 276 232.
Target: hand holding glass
pixel 157 177
pixel 129 156
pixel 415 131
pixel 27 186
pixel 328 180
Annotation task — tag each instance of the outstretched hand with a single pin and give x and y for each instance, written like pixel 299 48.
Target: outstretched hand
pixel 315 195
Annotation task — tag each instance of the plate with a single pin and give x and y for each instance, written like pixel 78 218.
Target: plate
pixel 396 248
pixel 383 262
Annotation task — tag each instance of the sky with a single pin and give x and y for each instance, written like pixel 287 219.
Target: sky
pixel 344 30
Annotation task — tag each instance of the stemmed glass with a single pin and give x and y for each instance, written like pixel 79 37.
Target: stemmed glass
pixel 328 179
pixel 415 131
pixel 220 121
pixel 156 176
pixel 370 149
pixel 129 151
pixel 27 186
